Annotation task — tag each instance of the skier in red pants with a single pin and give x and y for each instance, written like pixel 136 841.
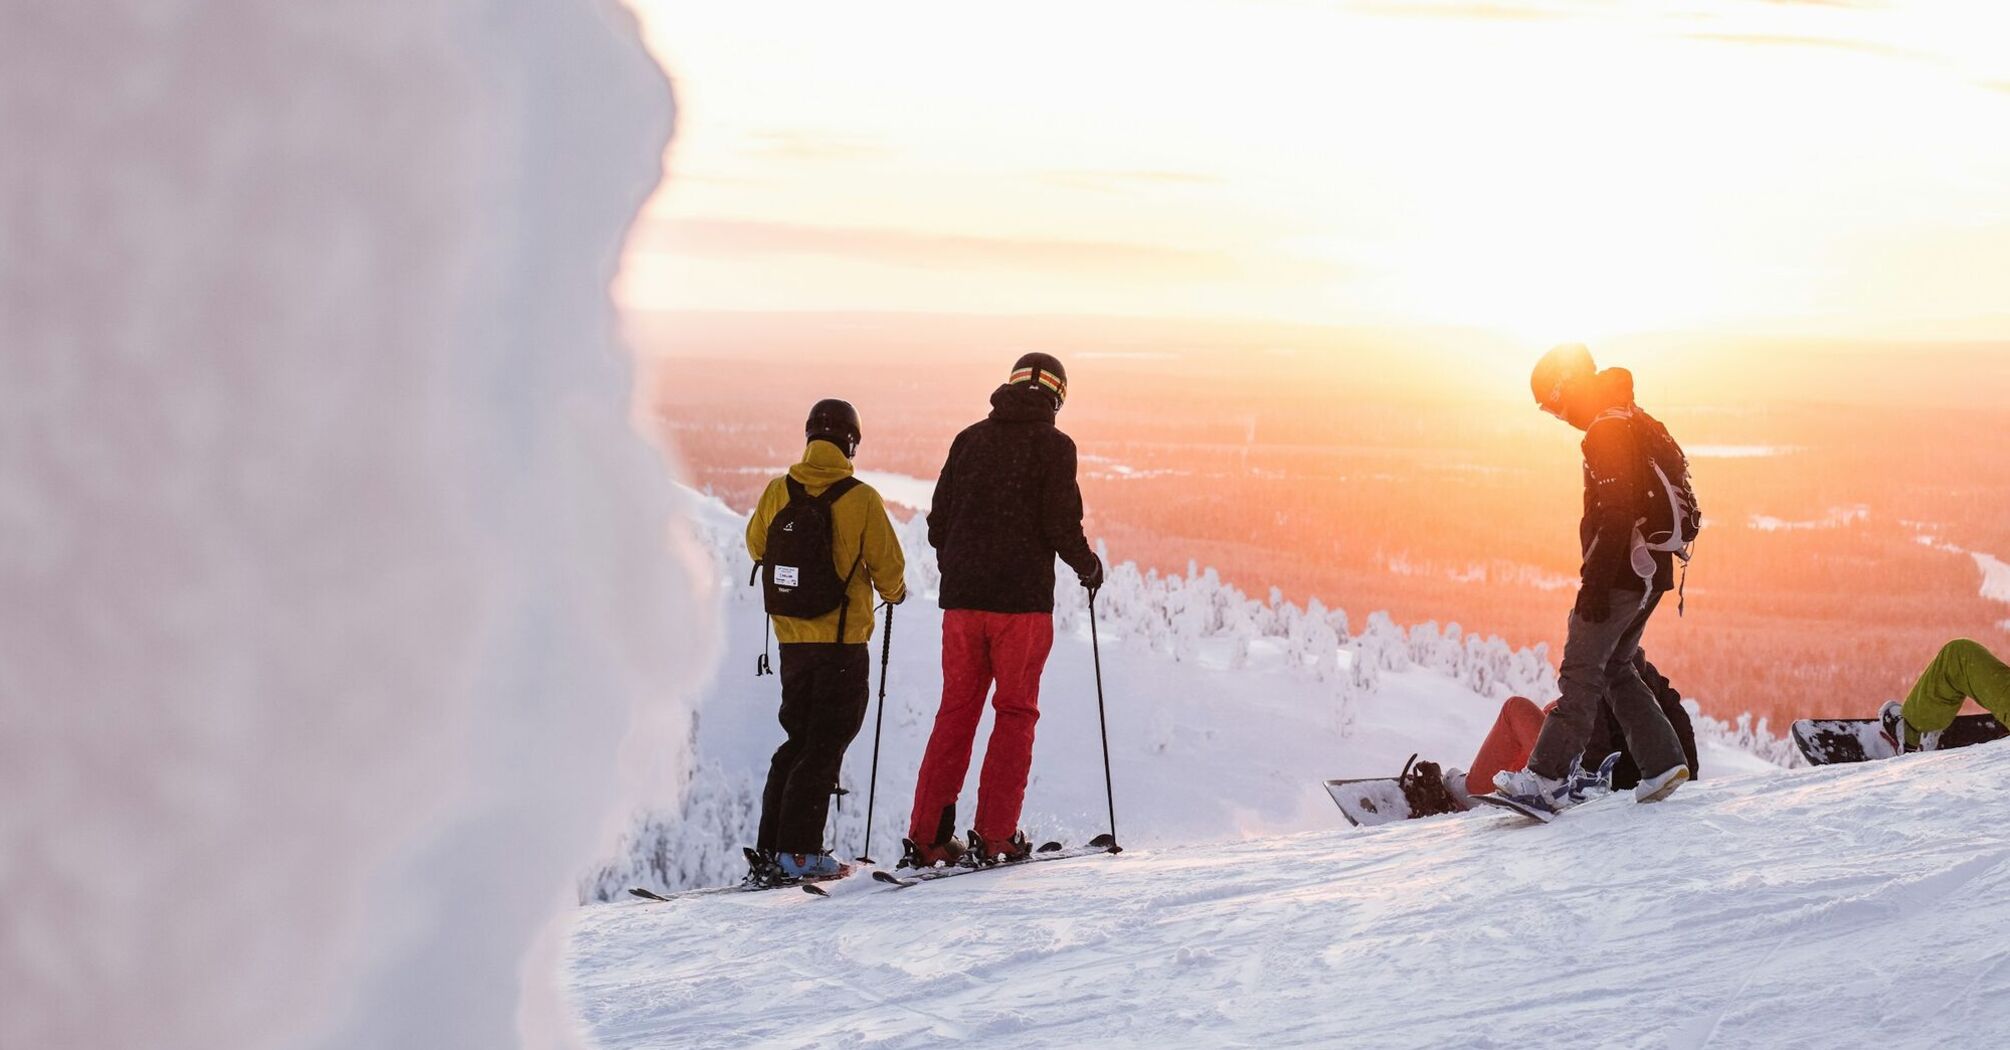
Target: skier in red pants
pixel 1005 505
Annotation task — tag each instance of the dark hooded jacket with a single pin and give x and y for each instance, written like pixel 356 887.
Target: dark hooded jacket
pixel 1005 505
pixel 1617 476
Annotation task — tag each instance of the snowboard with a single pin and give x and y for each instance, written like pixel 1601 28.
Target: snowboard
pixel 1371 801
pixel 1503 802
pixel 1833 741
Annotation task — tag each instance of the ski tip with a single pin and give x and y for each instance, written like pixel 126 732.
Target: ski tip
pixel 886 876
pixel 1108 842
pixel 646 895
pixel 815 890
pixel 1049 847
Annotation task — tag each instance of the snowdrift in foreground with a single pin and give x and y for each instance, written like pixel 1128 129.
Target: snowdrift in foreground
pixel 332 568
pixel 1817 908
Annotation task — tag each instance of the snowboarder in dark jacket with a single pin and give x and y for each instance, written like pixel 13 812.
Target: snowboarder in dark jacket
pixel 1621 584
pixel 1005 505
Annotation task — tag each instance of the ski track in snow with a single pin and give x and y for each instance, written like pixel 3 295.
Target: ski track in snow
pixel 1845 906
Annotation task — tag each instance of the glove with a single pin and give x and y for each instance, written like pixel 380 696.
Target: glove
pixel 1093 579
pixel 1594 604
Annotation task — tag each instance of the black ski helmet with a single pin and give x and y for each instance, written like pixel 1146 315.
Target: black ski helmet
pixel 1041 370
pixel 1564 363
pixel 834 421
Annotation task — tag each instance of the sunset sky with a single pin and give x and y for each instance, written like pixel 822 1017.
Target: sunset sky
pixel 1544 170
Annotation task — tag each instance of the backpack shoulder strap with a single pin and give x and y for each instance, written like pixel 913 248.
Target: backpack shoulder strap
pixel 837 490
pixel 1623 413
pixel 796 489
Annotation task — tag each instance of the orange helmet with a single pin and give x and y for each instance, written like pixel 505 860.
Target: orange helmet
pixel 1555 371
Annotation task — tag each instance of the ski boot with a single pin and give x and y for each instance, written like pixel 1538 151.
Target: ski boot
pixel 761 870
pixel 1899 734
pixel 1424 788
pixel 944 853
pixel 802 867
pixel 1016 848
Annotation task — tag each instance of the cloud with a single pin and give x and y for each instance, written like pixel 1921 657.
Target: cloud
pixel 1865 47
pixel 743 239
pixel 814 147
pixel 1494 12
pixel 1120 181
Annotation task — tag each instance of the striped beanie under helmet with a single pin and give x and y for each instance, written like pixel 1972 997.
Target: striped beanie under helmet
pixel 1041 370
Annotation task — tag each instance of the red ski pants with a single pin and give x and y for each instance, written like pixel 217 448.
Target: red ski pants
pixel 1508 744
pixel 979 648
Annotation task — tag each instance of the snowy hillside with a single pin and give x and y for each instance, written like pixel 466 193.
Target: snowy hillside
pixel 1225 715
pixel 1844 906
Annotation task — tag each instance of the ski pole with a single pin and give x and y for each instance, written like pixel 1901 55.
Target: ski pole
pixel 872 791
pixel 1109 793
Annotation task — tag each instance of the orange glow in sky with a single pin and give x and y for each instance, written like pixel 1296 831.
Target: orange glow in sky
pixel 1543 170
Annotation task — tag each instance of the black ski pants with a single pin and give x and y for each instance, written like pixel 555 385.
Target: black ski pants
pixel 1599 669
pixel 825 692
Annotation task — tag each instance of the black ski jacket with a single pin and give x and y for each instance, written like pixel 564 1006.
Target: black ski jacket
pixel 1616 479
pixel 1005 505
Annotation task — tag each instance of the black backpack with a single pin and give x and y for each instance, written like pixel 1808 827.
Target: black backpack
pixel 798 578
pixel 1673 518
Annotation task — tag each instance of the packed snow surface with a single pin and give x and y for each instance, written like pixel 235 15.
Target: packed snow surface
pixel 1244 911
pixel 1840 906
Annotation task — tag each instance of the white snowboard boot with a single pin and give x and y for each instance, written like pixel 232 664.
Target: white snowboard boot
pixel 1891 719
pixel 1532 789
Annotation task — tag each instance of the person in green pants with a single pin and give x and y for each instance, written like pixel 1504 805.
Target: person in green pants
pixel 1963 671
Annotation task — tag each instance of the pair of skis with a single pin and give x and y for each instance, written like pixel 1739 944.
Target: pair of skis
pixel 760 876
pixel 806 885
pixel 1047 852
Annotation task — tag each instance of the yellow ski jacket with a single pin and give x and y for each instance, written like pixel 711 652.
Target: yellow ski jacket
pixel 858 522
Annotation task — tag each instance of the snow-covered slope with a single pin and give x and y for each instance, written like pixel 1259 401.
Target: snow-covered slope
pixel 1845 906
pixel 1225 713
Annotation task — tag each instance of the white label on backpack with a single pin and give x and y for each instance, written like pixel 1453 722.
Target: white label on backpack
pixel 786 576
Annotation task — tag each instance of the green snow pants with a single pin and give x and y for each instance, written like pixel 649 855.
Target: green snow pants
pixel 1964 670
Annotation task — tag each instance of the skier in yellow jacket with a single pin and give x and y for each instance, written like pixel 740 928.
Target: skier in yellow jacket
pixel 824 545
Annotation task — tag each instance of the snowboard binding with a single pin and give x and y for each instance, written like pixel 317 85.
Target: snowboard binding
pixel 1423 785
